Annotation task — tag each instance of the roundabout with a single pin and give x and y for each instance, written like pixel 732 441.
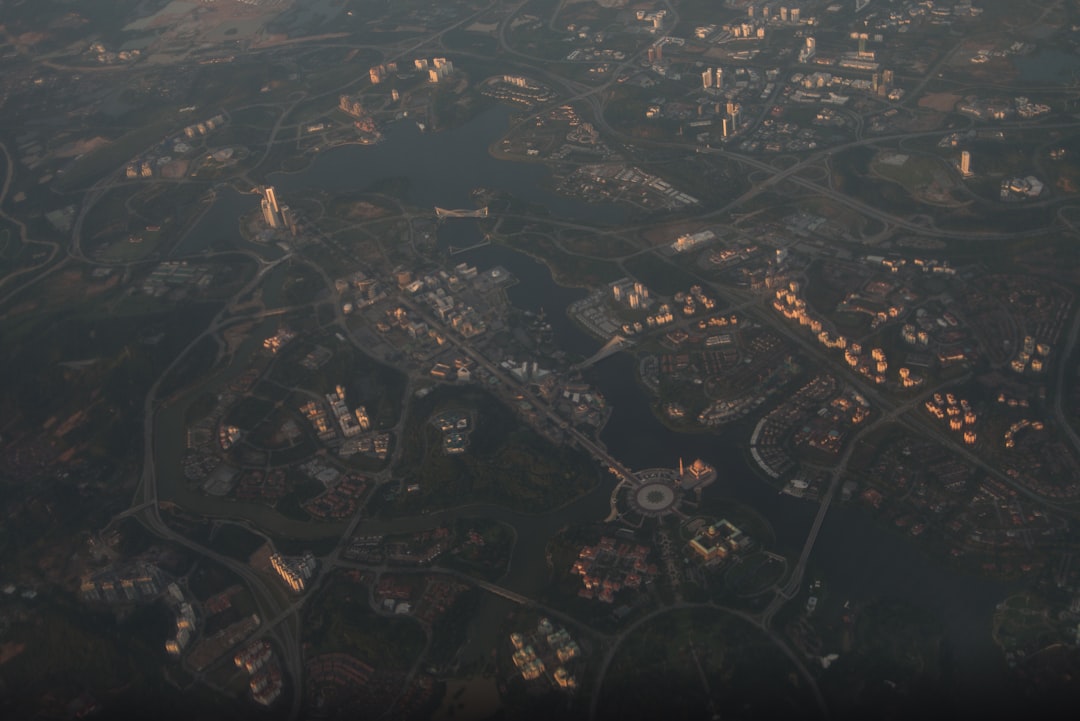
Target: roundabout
pixel 654 498
pixel 657 494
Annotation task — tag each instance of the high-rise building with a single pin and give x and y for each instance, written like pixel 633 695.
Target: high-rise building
pixel 288 217
pixel 271 197
pixel 794 15
pixel 707 79
pixel 719 78
pixel 294 571
pixel 269 216
pixel 270 210
pixel 965 164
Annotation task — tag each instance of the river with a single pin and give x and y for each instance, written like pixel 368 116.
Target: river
pixel 442 169
pixel 858 558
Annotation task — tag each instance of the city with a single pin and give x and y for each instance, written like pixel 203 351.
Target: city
pixel 532 358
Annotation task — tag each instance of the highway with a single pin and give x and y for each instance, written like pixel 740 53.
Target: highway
pixel 488 586
pixel 149 514
pixel 54 248
pixel 791 588
pixel 598 452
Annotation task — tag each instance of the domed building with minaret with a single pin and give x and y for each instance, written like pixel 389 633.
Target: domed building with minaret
pixel 696 476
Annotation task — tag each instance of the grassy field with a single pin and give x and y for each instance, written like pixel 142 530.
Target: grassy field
pixel 566 269
pixel 65 646
pixel 505 462
pixel 13 253
pixel 660 277
pixel 340 620
pixel 706 663
pixel 897 664
pixel 108 158
pixel 602 246
pixel 1023 622
pixel 914 174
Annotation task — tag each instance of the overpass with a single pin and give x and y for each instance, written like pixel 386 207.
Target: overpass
pixel 443 213
pixel 501 591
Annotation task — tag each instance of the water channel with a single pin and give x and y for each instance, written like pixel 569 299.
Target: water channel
pixel 1049 66
pixel 857 558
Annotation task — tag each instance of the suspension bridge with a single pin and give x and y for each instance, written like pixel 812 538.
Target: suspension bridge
pixel 443 213
pixel 615 344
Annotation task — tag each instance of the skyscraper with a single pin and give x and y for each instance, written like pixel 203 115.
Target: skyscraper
pixel 268 214
pixel 271 198
pixel 270 210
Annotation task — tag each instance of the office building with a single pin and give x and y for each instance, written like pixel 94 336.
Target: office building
pixel 965 164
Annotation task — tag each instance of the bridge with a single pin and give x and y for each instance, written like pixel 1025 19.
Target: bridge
pixel 443 213
pixel 615 344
